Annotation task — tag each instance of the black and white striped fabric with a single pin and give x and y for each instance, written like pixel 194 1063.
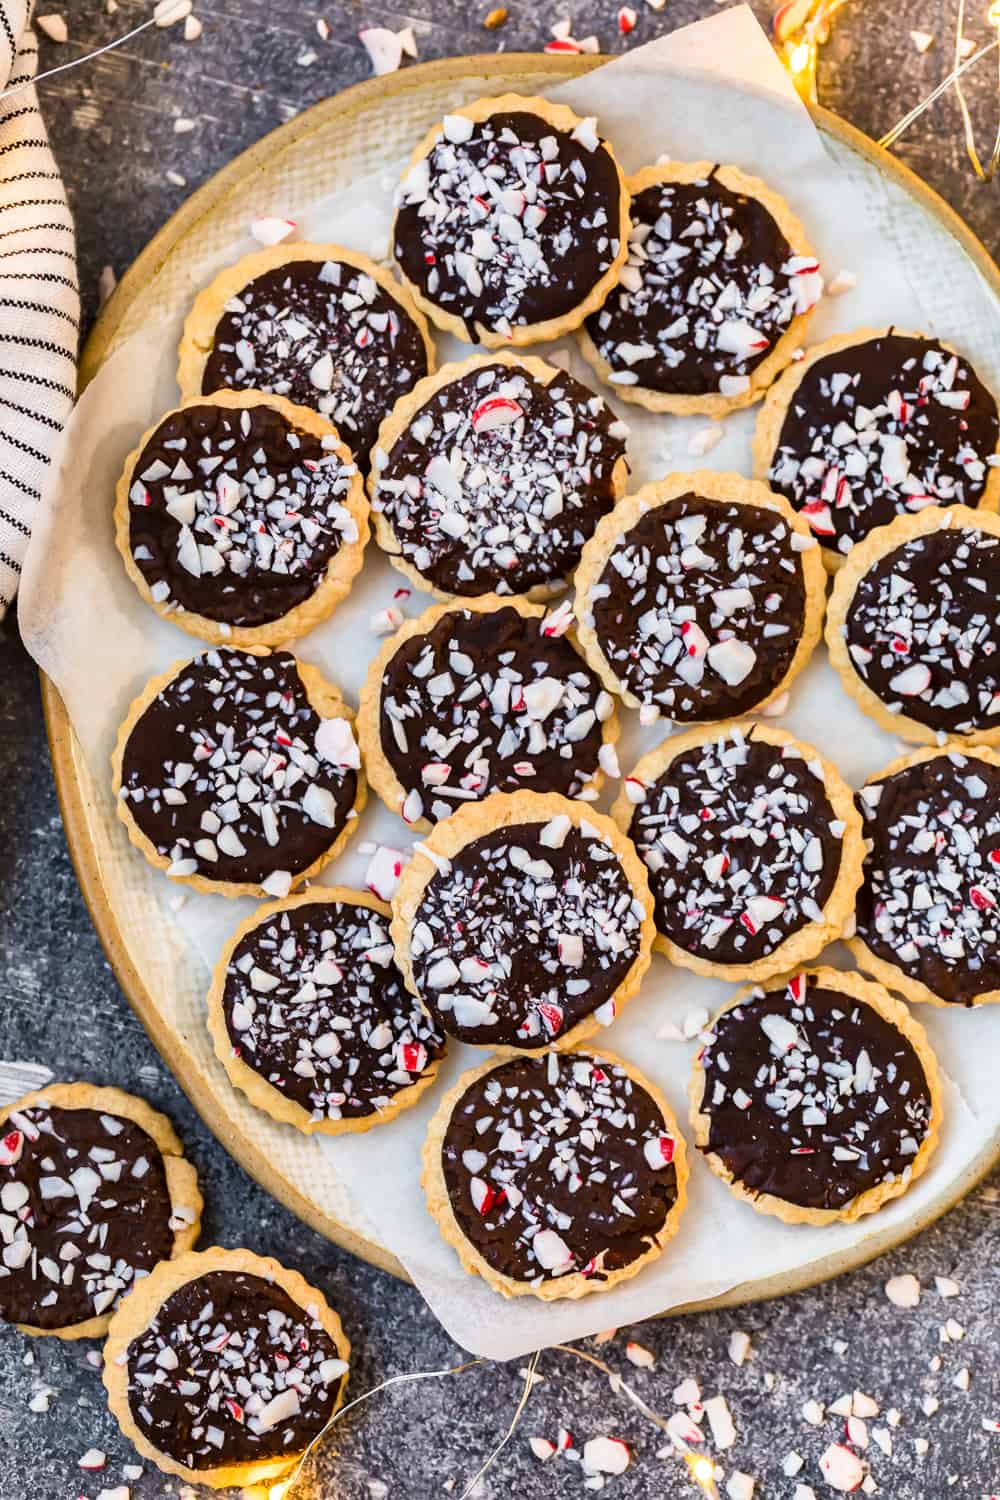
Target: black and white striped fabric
pixel 39 301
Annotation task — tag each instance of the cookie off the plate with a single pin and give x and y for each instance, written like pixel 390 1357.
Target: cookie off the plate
pixel 94 1192
pixel 222 1367
pixel 752 844
pixel 700 597
pixel 874 424
pixel 555 1176
pixel 715 297
pixel 523 921
pixel 512 221
pixel 311 1019
pixel 238 772
pixel 817 1098
pixel 480 696
pixel 913 626
pixel 319 324
pixel 491 476
pixel 242 518
pixel 928 915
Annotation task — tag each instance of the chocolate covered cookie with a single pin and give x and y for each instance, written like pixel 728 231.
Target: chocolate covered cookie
pixel 323 326
pixel 492 474
pixel 511 221
pixel 700 597
pixel 238 772
pixel 752 844
pixel 311 1019
pixel 913 626
pixel 242 518
pixel 523 921
pixel 555 1176
pixel 481 697
pixel 94 1192
pixel 715 296
pixel 223 1367
pixel 818 1099
pixel 928 917
pixel 875 424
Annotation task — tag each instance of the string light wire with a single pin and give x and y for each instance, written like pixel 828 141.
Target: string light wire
pixel 77 62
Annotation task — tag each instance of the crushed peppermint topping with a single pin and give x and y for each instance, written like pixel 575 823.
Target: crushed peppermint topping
pixel 545 1167
pixel 498 480
pixel 326 335
pixel 314 1003
pixel 819 1118
pixel 507 221
pixel 490 702
pixel 236 513
pixel 710 287
pixel 923 629
pixel 881 429
pixel 530 930
pixel 700 606
pixel 930 903
pixel 742 844
pixel 232 1370
pixel 85 1212
pixel 232 774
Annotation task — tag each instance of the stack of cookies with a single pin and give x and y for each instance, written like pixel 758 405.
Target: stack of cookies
pixel 313 413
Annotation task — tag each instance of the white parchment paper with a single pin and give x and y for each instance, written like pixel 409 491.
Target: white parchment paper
pixel 713 90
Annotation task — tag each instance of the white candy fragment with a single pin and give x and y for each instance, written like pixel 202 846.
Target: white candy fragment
pixel 386 48
pixel 272 231
pixel 640 1356
pixel 842 1469
pixel 922 40
pixel 903 1291
pixel 551 1252
pixel 739 1347
pixel 542 1448
pixel 55 27
pixel 604 1455
pixel 335 743
pixel 705 439
pixel 383 872
pixel 169 12
pixel 720 1421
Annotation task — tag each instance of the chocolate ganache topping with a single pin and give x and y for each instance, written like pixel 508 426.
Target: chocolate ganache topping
pixel 557 1165
pixel 486 703
pixel 231 1370
pixel 812 1096
pixel 497 482
pixel 325 335
pixel 531 929
pixel 84 1213
pixel 700 607
pixel 882 429
pixel 508 221
pixel 930 903
pixel 314 1003
pixel 742 845
pixel 710 287
pixel 923 630
pixel 233 775
pixel 235 513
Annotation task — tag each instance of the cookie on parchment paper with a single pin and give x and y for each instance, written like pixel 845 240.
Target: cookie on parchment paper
pixel 511 221
pixel 816 1099
pixel 555 1176
pixel 716 295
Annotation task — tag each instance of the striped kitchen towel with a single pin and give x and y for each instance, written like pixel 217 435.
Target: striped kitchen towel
pixel 39 301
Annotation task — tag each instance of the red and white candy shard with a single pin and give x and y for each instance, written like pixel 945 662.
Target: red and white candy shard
pixel 606 1455
pixel 842 1469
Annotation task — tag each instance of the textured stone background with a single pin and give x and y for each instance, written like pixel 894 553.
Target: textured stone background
pixel 112 125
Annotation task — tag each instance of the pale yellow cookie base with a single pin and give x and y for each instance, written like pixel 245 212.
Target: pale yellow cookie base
pixel 198 338
pixel 381 777
pixel 874 1198
pixel 140 1307
pixel 859 561
pixel 400 418
pixel 576 1285
pixel 713 404
pixel 730 489
pixel 892 975
pixel 263 1094
pixel 808 941
pixel 771 418
pixel 325 700
pixel 181 1177
pixel 475 819
pixel 561 118
pixel 335 584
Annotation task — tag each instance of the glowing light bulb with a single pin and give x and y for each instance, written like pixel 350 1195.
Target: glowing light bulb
pixel 799 59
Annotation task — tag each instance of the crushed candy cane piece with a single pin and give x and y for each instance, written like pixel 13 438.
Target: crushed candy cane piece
pixel 55 28
pixel 903 1291
pixel 605 1455
pixel 270 231
pixel 842 1469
